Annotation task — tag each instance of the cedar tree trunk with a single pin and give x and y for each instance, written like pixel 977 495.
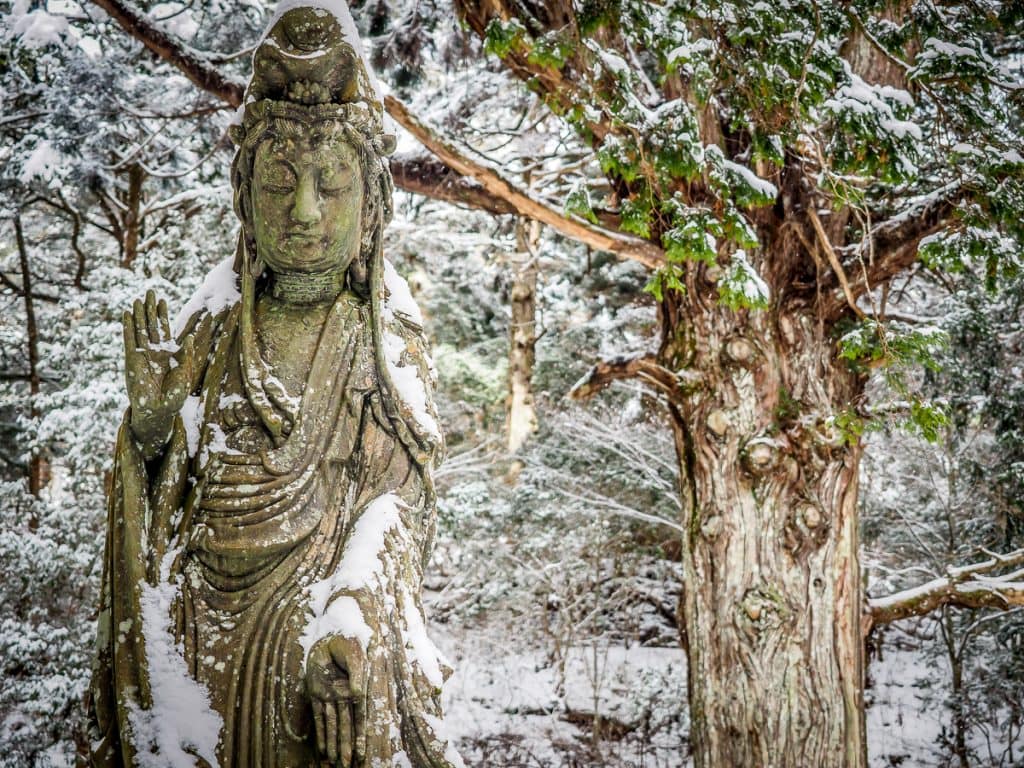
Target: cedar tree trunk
pixel 772 594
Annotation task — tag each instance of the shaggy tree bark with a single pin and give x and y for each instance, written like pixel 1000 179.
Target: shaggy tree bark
pixel 772 597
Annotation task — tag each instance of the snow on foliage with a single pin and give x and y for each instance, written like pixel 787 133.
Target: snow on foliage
pixel 36 27
pixel 741 286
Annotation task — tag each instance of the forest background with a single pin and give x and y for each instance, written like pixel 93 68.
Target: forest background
pixel 529 220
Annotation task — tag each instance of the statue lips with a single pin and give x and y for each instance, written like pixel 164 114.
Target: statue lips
pixel 303 237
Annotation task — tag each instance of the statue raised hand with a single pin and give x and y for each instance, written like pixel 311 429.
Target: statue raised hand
pixel 158 372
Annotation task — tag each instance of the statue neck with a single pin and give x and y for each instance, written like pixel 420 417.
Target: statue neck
pixel 307 287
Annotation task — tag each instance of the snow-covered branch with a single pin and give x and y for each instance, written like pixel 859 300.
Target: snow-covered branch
pixel 491 179
pixel 643 367
pixel 194 65
pixel 419 175
pixel 969 586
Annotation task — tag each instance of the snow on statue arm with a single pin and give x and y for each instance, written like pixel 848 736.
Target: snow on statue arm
pixel 372 598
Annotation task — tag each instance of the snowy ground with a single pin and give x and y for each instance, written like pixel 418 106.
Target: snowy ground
pixel 510 702
pixel 903 721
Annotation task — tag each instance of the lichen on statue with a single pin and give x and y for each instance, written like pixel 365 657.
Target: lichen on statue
pixel 271 506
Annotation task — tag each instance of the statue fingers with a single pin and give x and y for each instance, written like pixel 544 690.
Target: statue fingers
pixel 318 725
pixel 138 376
pixel 152 323
pixel 359 728
pixel 331 732
pixel 131 354
pixel 178 381
pixel 165 325
pixel 345 744
pixel 128 329
pixel 139 317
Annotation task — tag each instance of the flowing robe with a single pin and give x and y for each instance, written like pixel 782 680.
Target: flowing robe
pixel 228 557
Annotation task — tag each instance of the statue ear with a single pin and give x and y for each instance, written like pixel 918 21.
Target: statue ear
pixel 359 274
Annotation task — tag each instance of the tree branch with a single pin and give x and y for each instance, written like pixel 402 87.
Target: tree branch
pixel 428 176
pixel 193 64
pixel 643 367
pixel 457 158
pixel 967 587
pixel 833 260
pixel 891 246
pixel 17 290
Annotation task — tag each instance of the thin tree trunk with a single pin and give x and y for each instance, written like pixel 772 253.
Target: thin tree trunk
pixel 36 467
pixel 522 412
pixel 956 668
pixel 772 596
pixel 132 218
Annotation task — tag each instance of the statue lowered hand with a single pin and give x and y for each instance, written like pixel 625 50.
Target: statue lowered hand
pixel 336 674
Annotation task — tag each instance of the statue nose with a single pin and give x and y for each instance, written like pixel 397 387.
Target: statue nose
pixel 306 209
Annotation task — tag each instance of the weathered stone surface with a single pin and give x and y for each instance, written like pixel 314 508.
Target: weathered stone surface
pixel 271 505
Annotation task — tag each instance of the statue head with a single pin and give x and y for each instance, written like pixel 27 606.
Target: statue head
pixel 313 188
pixel 312 184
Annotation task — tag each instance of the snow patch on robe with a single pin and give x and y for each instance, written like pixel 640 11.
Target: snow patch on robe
pixel 180 724
pixel 359 568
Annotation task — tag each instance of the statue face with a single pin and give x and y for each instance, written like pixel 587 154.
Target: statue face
pixel 307 199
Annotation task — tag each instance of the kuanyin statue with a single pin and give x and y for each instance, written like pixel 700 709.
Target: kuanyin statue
pixel 271 505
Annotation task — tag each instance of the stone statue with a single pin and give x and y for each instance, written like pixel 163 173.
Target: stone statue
pixel 271 505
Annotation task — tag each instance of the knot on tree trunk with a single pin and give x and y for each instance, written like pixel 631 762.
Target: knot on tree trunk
pixel 761 609
pixel 760 456
pixel 806 528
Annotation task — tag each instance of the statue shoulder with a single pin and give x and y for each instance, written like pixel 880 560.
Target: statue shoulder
pixel 403 320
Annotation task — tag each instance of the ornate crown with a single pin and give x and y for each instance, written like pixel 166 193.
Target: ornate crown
pixel 306 68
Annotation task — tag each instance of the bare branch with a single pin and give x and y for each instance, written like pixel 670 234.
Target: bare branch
pixel 643 367
pixel 894 242
pixel 428 176
pixel 193 64
pixel 494 182
pixel 833 260
pixel 17 290
pixel 967 586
